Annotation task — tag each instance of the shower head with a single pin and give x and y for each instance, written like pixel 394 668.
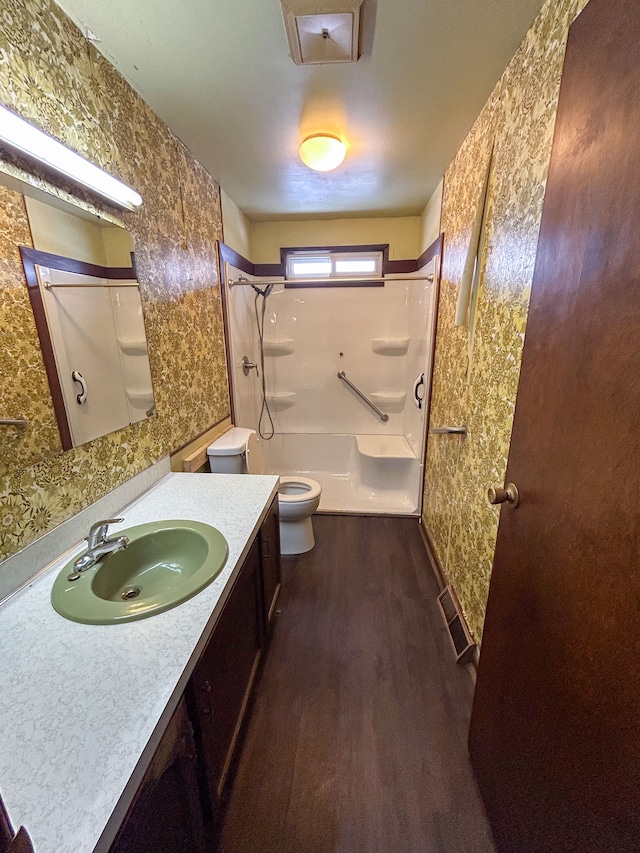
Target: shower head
pixel 264 293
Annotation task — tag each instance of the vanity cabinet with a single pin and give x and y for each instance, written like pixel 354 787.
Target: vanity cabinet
pixel 270 554
pixel 166 815
pixel 221 684
pixel 182 791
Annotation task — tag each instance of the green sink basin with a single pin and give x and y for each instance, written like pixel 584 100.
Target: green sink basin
pixel 166 563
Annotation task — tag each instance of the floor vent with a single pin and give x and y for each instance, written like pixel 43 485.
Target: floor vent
pixel 462 641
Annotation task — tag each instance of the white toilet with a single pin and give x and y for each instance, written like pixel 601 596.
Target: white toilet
pixel 238 451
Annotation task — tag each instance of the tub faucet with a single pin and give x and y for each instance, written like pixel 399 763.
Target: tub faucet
pixel 98 545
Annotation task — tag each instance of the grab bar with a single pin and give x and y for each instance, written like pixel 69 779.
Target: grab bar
pixel 20 423
pixel 384 417
pixel 448 430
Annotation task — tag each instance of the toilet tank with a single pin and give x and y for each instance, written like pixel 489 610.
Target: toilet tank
pixel 227 453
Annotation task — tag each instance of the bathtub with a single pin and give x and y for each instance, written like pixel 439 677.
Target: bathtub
pixel 372 474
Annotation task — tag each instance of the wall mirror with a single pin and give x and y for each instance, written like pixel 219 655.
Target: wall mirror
pixel 68 289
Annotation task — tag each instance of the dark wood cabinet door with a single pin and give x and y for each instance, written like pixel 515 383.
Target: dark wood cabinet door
pixel 166 816
pixel 270 552
pixel 222 680
pixel 555 729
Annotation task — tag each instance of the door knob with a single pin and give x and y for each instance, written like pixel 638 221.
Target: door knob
pixel 509 494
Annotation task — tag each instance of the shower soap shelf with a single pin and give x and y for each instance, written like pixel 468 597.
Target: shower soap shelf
pixel 279 346
pixel 281 399
pixel 384 447
pixel 133 346
pixel 140 397
pixel 390 346
pixel 389 401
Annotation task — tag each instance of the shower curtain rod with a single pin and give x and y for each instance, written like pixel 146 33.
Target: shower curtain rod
pixel 265 282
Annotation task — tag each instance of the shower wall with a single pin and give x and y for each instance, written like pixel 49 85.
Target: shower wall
pixel 312 333
pixel 380 337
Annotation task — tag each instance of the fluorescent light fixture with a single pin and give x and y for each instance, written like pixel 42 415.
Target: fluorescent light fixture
pixel 322 152
pixel 26 139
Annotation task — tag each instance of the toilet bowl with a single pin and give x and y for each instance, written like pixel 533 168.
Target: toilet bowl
pixel 239 451
pixel 298 499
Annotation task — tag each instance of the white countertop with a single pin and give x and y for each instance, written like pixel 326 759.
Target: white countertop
pixel 81 704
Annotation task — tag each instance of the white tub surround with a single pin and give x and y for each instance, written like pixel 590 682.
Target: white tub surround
pixel 381 337
pixel 83 707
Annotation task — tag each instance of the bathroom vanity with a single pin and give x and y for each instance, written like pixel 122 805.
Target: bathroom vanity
pixel 123 735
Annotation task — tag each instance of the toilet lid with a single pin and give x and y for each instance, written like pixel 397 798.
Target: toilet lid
pixel 255 457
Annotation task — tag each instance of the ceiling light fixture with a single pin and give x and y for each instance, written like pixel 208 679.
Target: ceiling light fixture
pixel 322 152
pixel 21 136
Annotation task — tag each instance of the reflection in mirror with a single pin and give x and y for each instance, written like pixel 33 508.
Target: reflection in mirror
pixel 89 321
pixel 87 309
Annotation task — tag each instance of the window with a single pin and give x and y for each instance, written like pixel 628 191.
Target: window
pixel 300 267
pixel 334 265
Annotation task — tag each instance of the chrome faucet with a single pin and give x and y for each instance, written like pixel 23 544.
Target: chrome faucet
pixel 98 545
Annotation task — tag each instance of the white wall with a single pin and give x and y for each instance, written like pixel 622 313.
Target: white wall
pixel 402 233
pixel 430 218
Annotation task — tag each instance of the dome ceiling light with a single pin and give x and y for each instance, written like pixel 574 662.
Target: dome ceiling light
pixel 322 152
pixel 322 31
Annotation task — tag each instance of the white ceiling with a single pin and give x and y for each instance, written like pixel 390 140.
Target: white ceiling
pixel 219 74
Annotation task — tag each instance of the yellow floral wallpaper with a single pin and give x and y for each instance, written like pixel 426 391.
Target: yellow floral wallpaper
pixel 519 120
pixel 55 78
pixel 24 390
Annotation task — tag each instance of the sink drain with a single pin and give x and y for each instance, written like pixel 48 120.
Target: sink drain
pixel 132 592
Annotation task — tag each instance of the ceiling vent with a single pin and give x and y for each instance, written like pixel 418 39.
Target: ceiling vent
pixel 322 31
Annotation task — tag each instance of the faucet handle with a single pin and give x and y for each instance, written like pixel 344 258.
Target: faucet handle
pixel 98 531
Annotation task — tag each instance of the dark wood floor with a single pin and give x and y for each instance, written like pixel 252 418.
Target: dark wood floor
pixel 357 739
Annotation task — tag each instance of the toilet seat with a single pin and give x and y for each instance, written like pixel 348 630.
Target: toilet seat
pixel 298 489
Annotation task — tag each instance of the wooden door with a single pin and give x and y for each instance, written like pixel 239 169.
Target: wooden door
pixel 555 729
